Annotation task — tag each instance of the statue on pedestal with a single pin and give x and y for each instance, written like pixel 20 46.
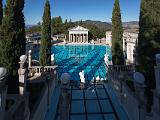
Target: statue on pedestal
pixel 52 59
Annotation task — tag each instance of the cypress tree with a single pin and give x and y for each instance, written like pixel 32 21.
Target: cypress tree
pixel 11 42
pixel 117 35
pixel 9 50
pixel 45 48
pixel 148 39
pixel 19 18
pixel 1 11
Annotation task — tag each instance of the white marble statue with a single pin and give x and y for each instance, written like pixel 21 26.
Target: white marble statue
pixel 64 41
pixel 81 74
pixel 106 58
pixel 92 42
pixel 52 57
pixel 97 78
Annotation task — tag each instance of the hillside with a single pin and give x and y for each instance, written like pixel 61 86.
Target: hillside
pixel 99 24
pixel 98 28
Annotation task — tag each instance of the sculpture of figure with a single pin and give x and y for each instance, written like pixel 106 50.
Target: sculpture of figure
pixel 81 74
pixel 97 78
pixel 106 58
pixel 92 42
pixel 52 58
pixel 64 41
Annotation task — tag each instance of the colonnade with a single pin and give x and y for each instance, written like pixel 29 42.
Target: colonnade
pixel 79 38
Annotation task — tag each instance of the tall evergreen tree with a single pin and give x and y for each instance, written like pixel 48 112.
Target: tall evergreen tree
pixel 45 48
pixel 1 11
pixel 11 41
pixel 117 35
pixel 19 18
pixel 148 39
pixel 9 51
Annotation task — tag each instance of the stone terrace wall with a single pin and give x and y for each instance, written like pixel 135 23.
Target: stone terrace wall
pixel 44 100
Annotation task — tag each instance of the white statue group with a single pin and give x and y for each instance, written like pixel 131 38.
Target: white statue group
pixel 82 78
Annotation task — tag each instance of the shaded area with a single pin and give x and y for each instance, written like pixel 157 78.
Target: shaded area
pixel 90 105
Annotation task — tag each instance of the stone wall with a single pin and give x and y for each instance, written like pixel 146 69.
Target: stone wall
pixel 127 99
pixel 44 100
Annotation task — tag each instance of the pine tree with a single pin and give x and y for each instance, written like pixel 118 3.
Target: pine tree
pixel 1 11
pixel 45 48
pixel 117 35
pixel 148 39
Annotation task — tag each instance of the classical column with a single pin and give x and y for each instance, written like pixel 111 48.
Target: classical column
pixel 77 38
pixel 87 37
pixel 70 37
pixel 81 38
pixel 73 38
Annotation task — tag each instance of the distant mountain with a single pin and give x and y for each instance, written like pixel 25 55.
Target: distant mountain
pixel 131 24
pixel 99 24
pixel 29 26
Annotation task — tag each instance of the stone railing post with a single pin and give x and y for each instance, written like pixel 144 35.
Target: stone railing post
pixel 65 99
pixel 30 59
pixel 139 91
pixel 3 92
pixel 22 74
pixel 156 92
pixel 157 73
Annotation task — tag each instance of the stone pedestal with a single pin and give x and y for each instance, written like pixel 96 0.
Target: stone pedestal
pixel 29 59
pixel 65 100
pixel 22 74
pixel 3 92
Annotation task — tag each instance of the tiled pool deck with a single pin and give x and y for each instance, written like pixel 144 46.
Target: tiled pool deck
pixel 94 104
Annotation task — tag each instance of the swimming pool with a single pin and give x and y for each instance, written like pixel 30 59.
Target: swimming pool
pixel 73 59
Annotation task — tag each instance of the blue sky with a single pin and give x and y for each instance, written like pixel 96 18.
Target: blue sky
pixel 81 9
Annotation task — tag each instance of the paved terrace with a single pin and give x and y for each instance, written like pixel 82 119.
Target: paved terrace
pixel 98 102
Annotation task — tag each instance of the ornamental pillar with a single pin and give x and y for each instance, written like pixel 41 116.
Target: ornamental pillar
pixel 22 74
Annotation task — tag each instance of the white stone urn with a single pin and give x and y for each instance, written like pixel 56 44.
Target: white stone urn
pixel 158 59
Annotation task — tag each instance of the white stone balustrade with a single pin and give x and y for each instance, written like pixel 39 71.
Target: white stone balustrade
pixel 38 70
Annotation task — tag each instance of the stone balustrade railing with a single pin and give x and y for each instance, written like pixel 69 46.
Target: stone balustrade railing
pixel 38 70
pixel 133 101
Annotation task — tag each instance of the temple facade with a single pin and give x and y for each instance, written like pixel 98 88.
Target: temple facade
pixel 78 34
